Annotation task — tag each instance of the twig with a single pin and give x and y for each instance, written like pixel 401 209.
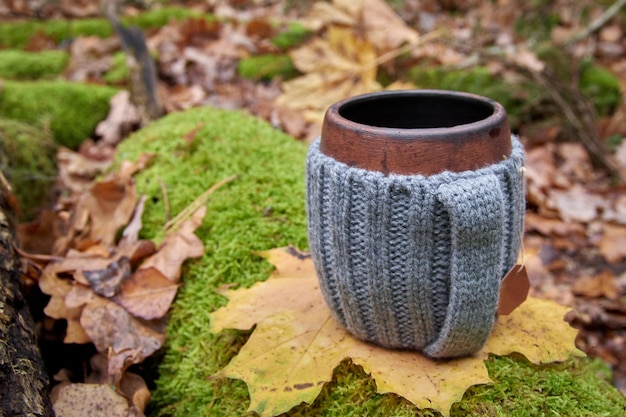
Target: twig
pixel 598 23
pixel 5 183
pixel 196 204
pixel 36 256
pixel 582 120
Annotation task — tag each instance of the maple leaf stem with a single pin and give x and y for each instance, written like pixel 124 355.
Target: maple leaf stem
pixel 196 204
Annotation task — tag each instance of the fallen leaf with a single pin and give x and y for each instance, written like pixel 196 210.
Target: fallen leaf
pixel 110 205
pixel 113 329
pixel 551 227
pixel 93 400
pixel 111 326
pixel 136 389
pixel 147 294
pixel 58 288
pixel 375 18
pixel 130 235
pixel 177 247
pixel 613 243
pixel 106 282
pixel 123 117
pixel 339 66
pixel 296 344
pixel 601 285
pixel 77 171
pixel 575 204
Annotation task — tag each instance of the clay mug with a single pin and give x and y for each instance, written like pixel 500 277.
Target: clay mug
pixel 415 205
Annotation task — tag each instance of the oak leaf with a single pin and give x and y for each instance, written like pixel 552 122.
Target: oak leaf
pixel 177 247
pixel 147 294
pixel 296 344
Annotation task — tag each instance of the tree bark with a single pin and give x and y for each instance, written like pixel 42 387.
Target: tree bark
pixel 23 379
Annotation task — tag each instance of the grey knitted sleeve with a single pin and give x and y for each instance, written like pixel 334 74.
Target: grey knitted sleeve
pixel 415 262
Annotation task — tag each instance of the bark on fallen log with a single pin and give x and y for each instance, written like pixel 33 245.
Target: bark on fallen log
pixel 23 379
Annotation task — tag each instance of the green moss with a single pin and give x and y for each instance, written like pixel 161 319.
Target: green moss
pixel 295 34
pixel 577 387
pixel 17 34
pixel 536 23
pixel 72 110
pixel 119 73
pixel 267 67
pixel 262 209
pixel 27 160
pixel 600 86
pixel 160 17
pixel 18 64
pixel 478 80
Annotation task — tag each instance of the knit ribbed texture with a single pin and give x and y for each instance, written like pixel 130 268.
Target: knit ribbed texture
pixel 414 262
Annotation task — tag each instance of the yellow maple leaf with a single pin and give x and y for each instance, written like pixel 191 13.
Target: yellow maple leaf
pixel 297 344
pixel 337 66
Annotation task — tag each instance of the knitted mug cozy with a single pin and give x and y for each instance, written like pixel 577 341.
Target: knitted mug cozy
pixel 412 261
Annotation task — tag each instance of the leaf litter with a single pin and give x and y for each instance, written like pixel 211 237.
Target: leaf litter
pixel 576 223
pixel 114 294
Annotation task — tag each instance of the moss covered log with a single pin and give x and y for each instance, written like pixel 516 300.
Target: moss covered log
pixel 28 161
pixel 23 65
pixel 72 110
pixel 17 34
pixel 263 209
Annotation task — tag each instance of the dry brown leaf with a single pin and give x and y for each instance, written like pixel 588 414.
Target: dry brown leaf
pixel 77 171
pixel 575 204
pixel 296 344
pixel 110 205
pixel 106 282
pixel 93 400
pixel 147 294
pixel 601 285
pixel 382 27
pixel 552 227
pixel 613 243
pixel 90 57
pixel 50 283
pixel 540 173
pixel 339 66
pixel 136 389
pixel 123 117
pixel 178 247
pixel 130 235
pixel 137 251
pixel 114 330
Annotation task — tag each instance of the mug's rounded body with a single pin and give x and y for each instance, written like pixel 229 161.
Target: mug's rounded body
pixel 415 207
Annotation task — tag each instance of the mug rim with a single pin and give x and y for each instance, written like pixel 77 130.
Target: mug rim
pixel 390 149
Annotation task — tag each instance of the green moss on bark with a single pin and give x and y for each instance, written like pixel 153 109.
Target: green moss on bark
pixel 27 159
pixel 72 110
pixel 264 208
pixel 16 64
pixel 267 67
pixel 17 34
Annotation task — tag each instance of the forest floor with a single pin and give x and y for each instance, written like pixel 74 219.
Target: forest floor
pixel 558 67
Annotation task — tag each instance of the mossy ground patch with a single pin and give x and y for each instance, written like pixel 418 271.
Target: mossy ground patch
pixel 72 110
pixel 262 209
